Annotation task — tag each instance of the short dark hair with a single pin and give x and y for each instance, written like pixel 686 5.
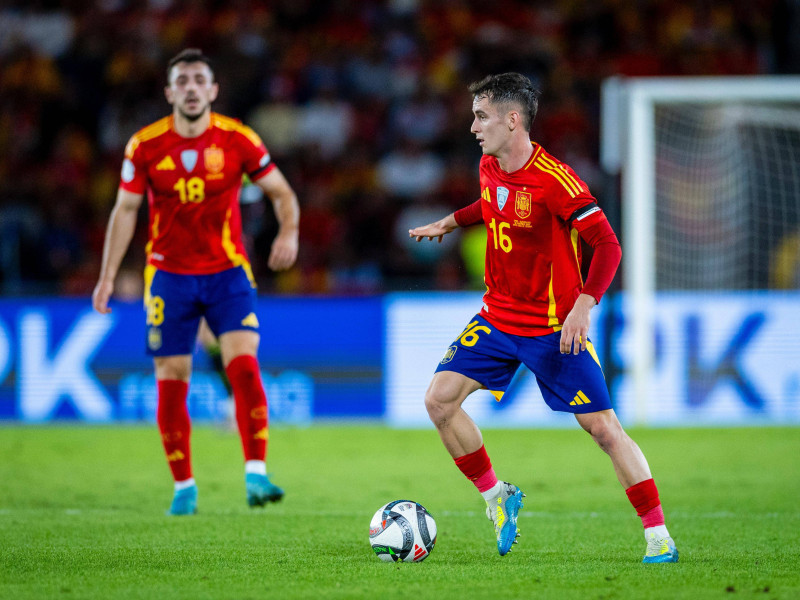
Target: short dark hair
pixel 189 55
pixel 510 87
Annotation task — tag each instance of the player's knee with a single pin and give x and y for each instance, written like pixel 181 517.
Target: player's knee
pixel 608 435
pixel 433 406
pixel 179 370
pixel 439 405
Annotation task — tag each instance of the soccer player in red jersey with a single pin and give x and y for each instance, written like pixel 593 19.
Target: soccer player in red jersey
pixel 535 309
pixel 191 164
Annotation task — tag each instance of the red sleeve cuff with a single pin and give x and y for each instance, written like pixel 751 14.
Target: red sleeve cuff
pixel 469 215
pixel 606 259
pixel 134 187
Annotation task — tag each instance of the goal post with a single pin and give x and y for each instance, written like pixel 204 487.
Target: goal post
pixel 692 135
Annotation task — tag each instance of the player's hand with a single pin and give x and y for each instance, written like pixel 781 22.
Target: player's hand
pixel 434 230
pixel 101 295
pixel 284 251
pixel 575 332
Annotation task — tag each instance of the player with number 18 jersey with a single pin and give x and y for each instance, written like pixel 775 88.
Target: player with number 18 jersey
pixel 193 186
pixel 190 166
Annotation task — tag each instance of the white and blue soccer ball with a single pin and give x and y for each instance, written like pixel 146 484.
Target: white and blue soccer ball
pixel 403 531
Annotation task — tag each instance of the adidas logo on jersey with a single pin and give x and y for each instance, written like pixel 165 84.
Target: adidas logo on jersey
pixel 166 164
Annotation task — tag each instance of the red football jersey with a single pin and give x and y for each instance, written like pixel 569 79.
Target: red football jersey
pixel 192 189
pixel 533 256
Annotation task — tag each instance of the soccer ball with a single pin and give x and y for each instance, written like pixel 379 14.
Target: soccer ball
pixel 402 530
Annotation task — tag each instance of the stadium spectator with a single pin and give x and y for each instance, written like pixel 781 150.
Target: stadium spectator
pixel 421 119
pixel 326 122
pixel 191 165
pixel 279 117
pixel 410 170
pixel 94 69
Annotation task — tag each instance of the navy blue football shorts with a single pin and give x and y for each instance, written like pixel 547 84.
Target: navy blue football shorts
pixel 569 383
pixel 175 303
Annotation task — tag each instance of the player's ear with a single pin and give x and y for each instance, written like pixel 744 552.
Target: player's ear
pixel 214 91
pixel 168 94
pixel 512 120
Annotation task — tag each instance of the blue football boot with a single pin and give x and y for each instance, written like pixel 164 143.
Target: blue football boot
pixel 184 502
pixel 503 511
pixel 660 550
pixel 260 490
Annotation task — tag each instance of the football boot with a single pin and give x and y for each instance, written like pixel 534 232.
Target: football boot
pixel 502 510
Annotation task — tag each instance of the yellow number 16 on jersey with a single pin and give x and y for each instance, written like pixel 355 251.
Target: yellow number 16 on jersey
pixel 498 236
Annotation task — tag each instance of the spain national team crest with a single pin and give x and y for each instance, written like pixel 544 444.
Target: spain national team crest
pixel 502 196
pixel 214 159
pixel 522 205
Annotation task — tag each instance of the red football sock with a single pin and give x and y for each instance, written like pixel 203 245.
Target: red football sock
pixel 477 467
pixel 644 498
pixel 172 416
pixel 251 405
pixel 653 517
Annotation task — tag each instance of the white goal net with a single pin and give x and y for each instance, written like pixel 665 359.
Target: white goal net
pixel 727 186
pixel 710 203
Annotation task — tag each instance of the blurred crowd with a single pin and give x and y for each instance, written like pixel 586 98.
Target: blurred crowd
pixel 363 105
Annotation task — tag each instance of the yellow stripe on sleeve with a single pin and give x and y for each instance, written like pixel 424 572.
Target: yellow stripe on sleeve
pixel 130 148
pixel 228 124
pixel 561 169
pixel 153 130
pixel 557 176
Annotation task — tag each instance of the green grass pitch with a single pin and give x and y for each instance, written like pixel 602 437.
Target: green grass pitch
pixel 82 516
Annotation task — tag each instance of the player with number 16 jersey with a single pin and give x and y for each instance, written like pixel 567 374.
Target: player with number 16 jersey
pixel 533 216
pixel 535 310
